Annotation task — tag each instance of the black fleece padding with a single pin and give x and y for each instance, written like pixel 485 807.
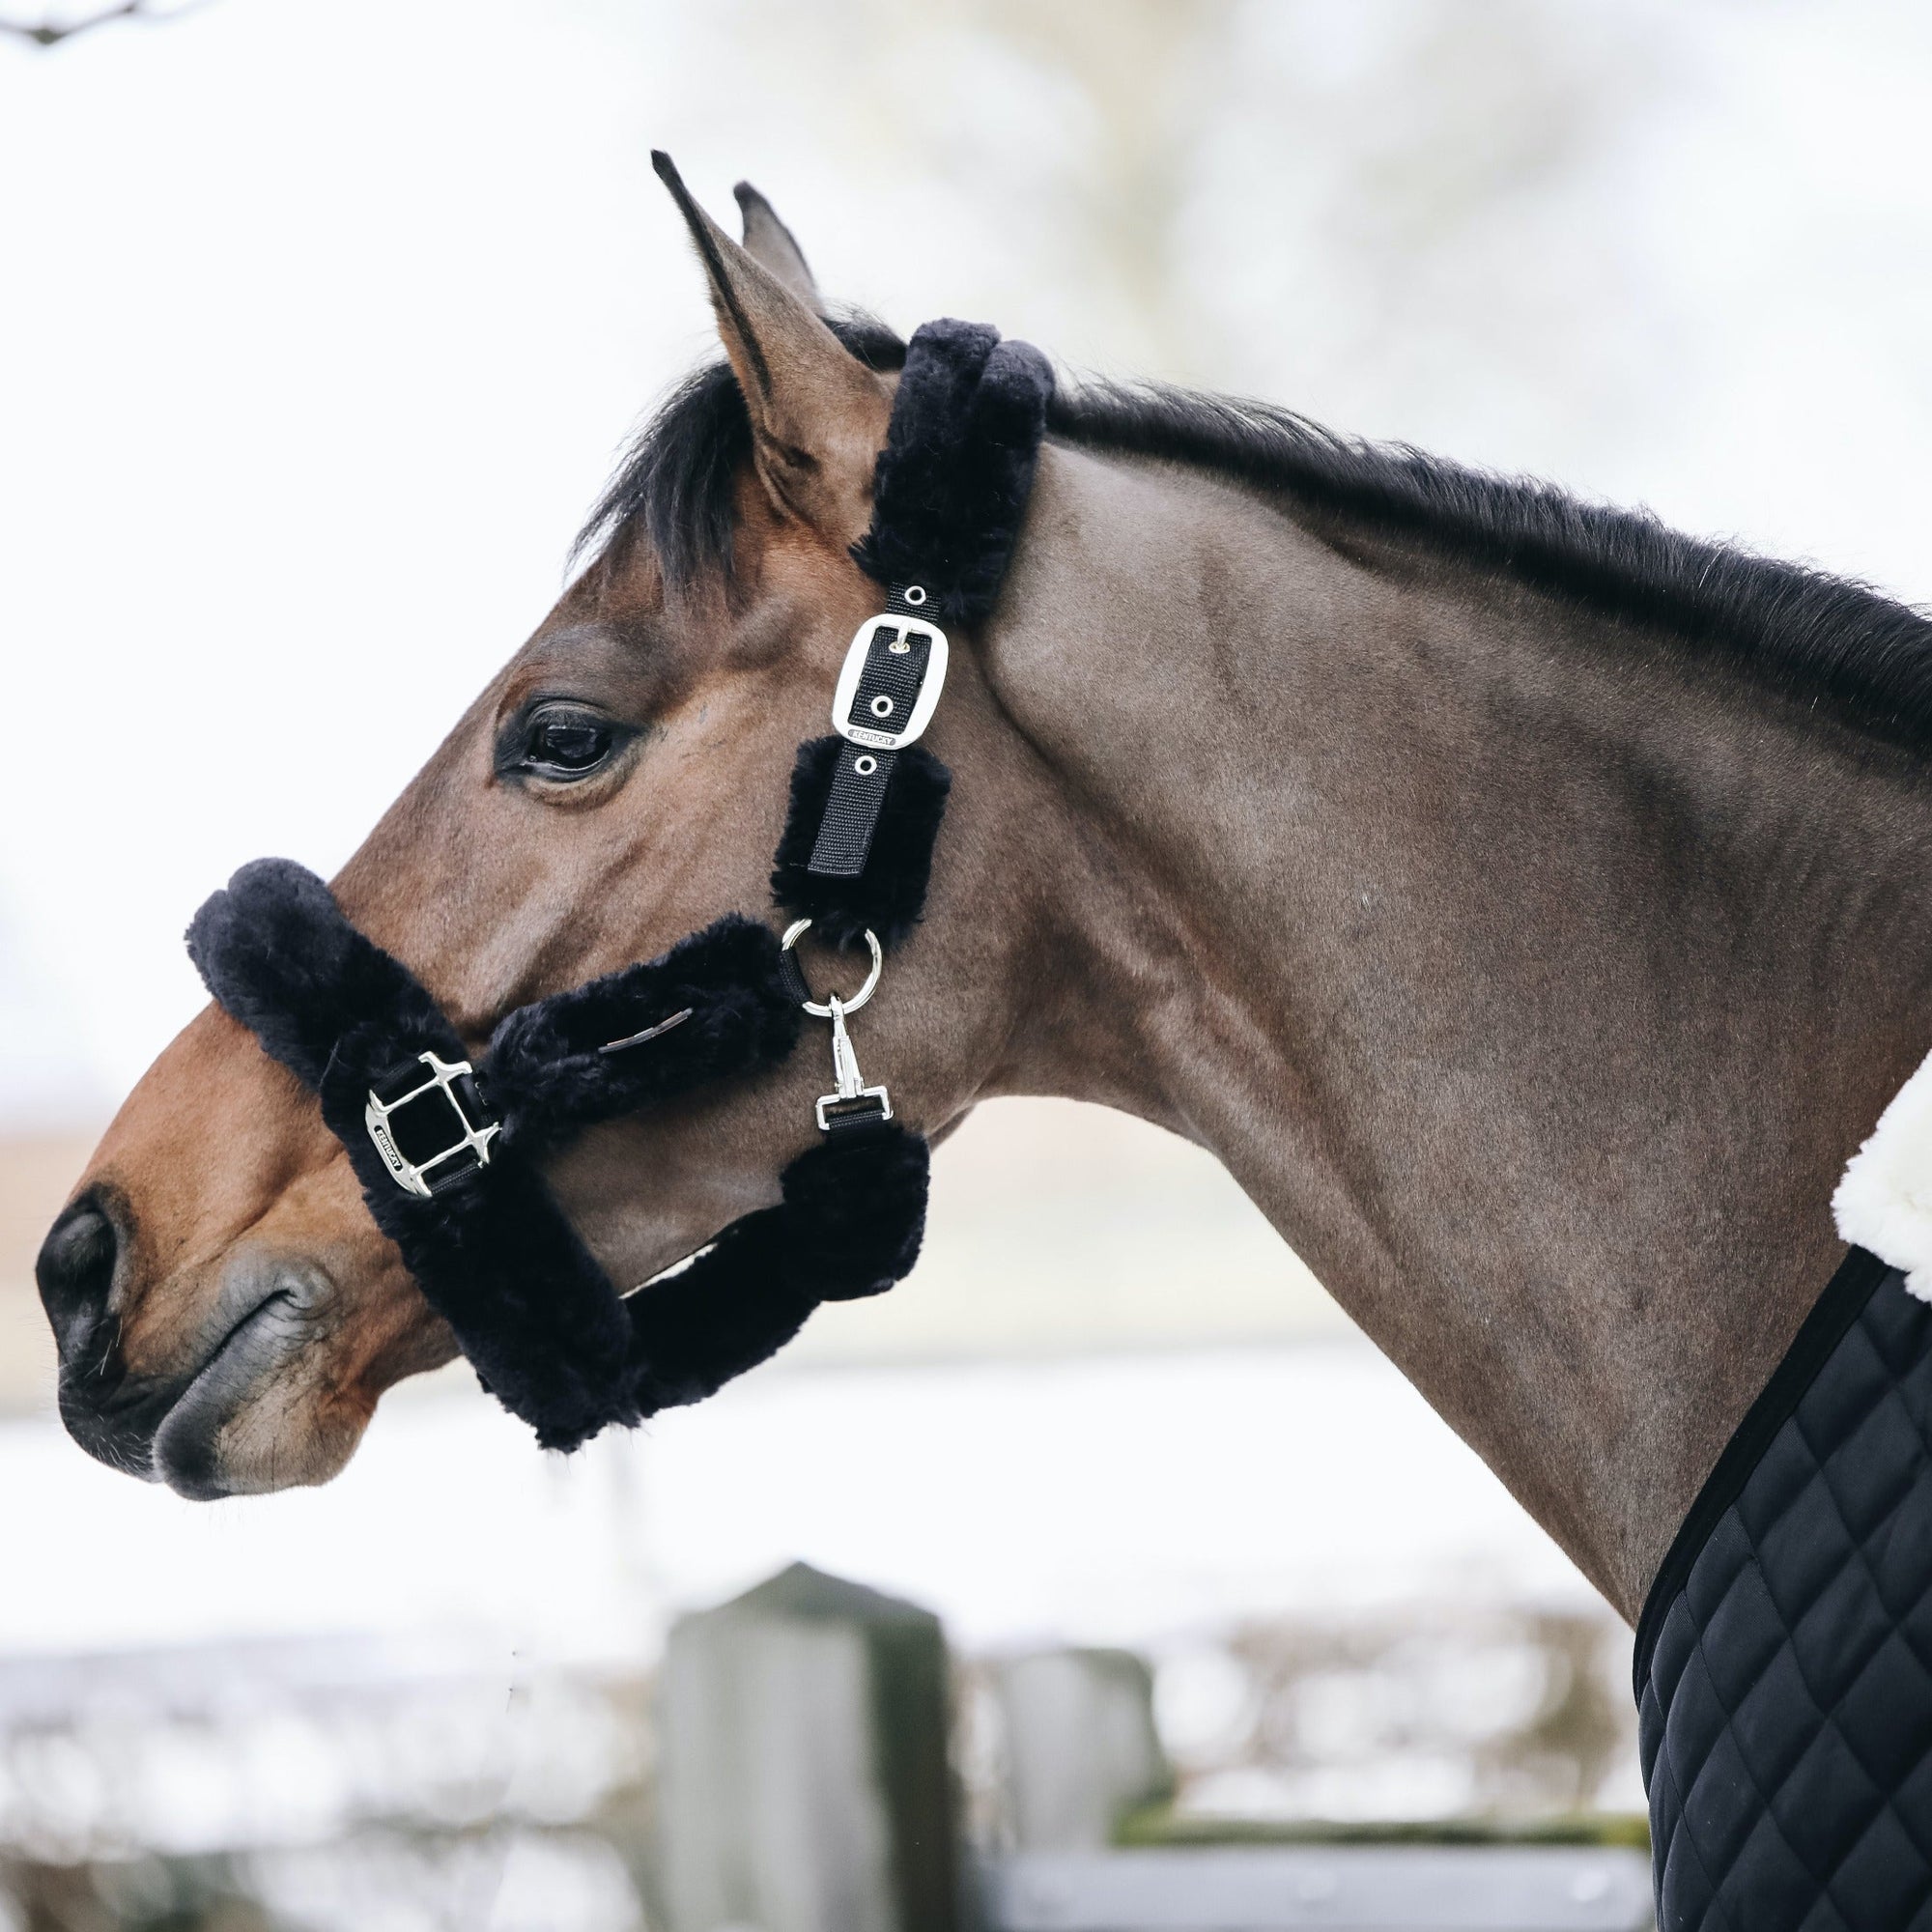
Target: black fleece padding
pixel 500 1262
pixel 952 484
pixel 276 953
pixel 850 1225
pixel 548 1078
pixel 544 1328
pixel 858 1210
pixel 890 895
pixel 731 1309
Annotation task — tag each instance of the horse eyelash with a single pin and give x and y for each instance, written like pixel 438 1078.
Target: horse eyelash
pixel 512 747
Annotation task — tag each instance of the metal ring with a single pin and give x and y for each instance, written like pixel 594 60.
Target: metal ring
pixel 797 931
pixel 915 594
pixel 865 764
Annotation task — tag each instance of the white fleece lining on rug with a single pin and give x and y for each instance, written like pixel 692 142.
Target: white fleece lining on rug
pixel 1885 1201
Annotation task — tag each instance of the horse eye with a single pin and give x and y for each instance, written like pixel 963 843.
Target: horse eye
pixel 566 743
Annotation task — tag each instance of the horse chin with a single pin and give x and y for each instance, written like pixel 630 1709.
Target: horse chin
pixel 258 1414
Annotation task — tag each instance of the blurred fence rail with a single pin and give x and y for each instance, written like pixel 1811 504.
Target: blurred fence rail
pixel 1340 1888
pixel 804 1725
pixel 810 1757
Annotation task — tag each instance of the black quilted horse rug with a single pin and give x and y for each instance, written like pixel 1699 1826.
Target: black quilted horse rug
pixel 1785 1657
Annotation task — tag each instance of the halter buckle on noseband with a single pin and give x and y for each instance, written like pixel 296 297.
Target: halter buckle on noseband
pixel 407 1120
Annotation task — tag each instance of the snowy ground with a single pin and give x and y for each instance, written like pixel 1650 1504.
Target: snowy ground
pixel 406 1686
pixel 1110 1499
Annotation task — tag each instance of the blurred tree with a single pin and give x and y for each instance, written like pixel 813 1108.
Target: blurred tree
pixel 1144 67
pixel 1406 216
pixel 141 1895
pixel 49 33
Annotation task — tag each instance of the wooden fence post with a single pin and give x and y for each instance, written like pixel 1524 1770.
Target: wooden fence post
pixel 805 1783
pixel 1081 1745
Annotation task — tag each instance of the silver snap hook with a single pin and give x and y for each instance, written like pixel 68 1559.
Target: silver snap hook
pixel 851 1106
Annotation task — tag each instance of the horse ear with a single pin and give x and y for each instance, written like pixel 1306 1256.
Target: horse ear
pixel 773 245
pixel 818 415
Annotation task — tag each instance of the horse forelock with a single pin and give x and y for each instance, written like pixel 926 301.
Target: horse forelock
pixel 677 487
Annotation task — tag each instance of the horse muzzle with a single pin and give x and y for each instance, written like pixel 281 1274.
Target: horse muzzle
pixel 169 1426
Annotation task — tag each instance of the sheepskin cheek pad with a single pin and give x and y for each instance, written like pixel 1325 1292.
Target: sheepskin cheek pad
pixel 548 1332
pixel 949 497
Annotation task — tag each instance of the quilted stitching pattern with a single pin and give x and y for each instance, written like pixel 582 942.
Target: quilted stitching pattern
pixel 1786 1719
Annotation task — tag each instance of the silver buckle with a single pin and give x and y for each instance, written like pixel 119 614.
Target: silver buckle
pixel 904 630
pixel 412 1177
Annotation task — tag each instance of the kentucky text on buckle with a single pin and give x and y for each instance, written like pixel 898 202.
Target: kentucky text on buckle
pixel 409 1118
pixel 889 683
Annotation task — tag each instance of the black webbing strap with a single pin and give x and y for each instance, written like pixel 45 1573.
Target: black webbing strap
pixel 859 783
pixel 853 1123
pixel 889 686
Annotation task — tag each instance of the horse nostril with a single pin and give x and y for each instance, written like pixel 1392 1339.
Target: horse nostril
pixel 75 1270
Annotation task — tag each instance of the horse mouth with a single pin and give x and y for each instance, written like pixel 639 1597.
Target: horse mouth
pixel 186 1450
pixel 124 1420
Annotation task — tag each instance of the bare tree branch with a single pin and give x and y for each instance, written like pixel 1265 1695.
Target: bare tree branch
pixel 47 35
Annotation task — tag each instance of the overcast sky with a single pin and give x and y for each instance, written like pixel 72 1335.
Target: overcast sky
pixel 324 320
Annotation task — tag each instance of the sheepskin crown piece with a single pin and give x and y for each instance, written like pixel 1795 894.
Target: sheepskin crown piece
pixel 446 1148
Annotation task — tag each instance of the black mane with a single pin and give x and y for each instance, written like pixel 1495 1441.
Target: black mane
pixel 1819 638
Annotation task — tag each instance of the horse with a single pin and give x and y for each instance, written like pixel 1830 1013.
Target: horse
pixel 1526 902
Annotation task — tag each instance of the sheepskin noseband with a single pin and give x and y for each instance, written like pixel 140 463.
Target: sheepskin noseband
pixel 446 1145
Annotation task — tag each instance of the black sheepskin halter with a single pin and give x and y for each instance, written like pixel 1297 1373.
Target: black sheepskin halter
pixel 446 1150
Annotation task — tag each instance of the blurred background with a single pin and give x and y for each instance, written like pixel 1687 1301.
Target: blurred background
pixel 322 322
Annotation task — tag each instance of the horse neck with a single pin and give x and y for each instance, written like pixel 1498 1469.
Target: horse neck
pixel 1534 981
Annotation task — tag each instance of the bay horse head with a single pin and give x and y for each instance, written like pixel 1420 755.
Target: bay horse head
pixel 226 1311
